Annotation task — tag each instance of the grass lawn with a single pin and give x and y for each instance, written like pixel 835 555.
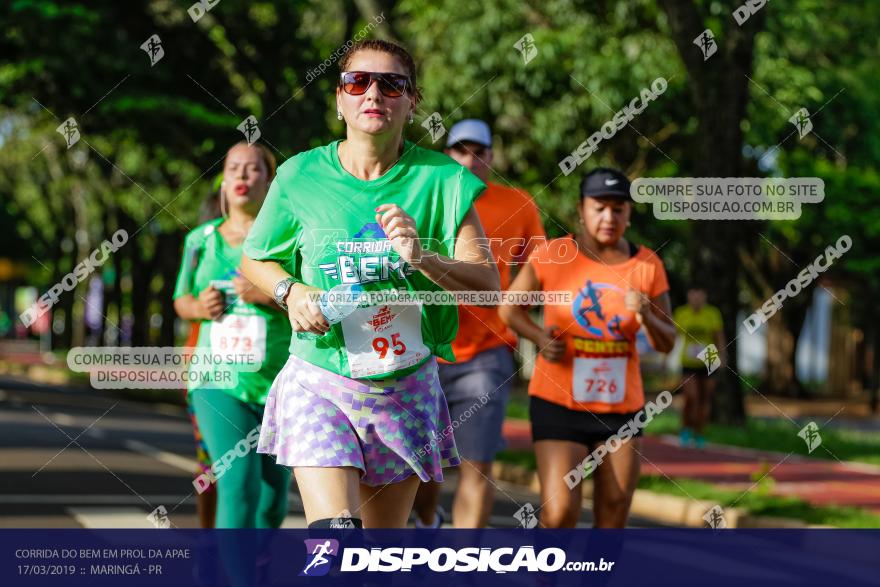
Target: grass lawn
pixel 758 501
pixel 778 435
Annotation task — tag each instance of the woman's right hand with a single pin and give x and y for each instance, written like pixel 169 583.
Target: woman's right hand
pixel 303 311
pixel 551 347
pixel 211 301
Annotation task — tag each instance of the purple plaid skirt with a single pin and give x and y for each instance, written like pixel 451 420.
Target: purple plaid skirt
pixel 387 428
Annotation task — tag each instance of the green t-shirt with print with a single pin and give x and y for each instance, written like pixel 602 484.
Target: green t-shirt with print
pixel 249 333
pixel 319 223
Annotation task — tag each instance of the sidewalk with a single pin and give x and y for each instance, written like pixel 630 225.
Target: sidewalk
pixel 819 482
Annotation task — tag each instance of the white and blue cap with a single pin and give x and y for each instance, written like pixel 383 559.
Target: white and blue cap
pixel 472 130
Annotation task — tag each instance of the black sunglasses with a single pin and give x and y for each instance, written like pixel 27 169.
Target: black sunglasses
pixel 356 83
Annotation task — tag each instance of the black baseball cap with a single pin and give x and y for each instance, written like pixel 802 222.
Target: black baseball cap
pixel 603 182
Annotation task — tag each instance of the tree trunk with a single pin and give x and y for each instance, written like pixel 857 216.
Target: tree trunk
pixel 720 95
pixel 168 247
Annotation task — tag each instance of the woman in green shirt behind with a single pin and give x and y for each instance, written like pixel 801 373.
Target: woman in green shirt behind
pixel 245 329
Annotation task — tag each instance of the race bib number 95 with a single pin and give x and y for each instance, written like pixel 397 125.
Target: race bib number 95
pixel 382 339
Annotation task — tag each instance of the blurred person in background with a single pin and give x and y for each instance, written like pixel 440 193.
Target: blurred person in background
pixel 477 384
pixel 236 318
pixel 700 325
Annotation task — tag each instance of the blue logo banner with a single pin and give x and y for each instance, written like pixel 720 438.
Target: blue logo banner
pixel 679 557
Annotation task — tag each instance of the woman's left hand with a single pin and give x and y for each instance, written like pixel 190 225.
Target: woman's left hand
pixel 400 228
pixel 638 303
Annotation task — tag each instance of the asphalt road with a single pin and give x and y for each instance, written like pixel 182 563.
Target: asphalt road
pixel 74 458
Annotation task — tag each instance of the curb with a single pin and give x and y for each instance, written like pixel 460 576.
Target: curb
pixel 659 507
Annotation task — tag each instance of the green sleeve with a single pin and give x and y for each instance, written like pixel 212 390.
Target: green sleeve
pixel 192 249
pixel 275 234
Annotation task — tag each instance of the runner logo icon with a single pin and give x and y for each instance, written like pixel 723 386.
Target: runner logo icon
pixel 320 554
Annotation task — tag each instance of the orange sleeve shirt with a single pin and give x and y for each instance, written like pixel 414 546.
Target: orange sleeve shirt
pixel 600 369
pixel 512 223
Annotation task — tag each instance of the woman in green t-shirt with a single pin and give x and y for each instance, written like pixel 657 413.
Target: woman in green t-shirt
pixel 242 344
pixel 358 411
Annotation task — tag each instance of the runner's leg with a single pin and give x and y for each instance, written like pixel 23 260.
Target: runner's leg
pixel 690 390
pixel 225 423
pixel 206 507
pixel 426 501
pixel 328 491
pixel 274 485
pixel 560 506
pixel 615 481
pixel 474 495
pixel 707 387
pixel 388 506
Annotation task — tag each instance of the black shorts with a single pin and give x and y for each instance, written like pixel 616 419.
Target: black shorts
pixel 554 422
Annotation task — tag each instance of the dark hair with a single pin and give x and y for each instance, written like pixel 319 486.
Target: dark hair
pixel 392 49
pixel 265 153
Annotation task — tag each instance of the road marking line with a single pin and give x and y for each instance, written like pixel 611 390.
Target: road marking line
pixel 64 419
pixel 294 522
pixel 110 517
pixel 171 459
pixel 90 499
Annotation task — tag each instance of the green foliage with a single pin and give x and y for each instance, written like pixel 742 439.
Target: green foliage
pixel 153 136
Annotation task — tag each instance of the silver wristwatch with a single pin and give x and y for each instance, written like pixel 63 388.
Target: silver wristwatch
pixel 282 288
